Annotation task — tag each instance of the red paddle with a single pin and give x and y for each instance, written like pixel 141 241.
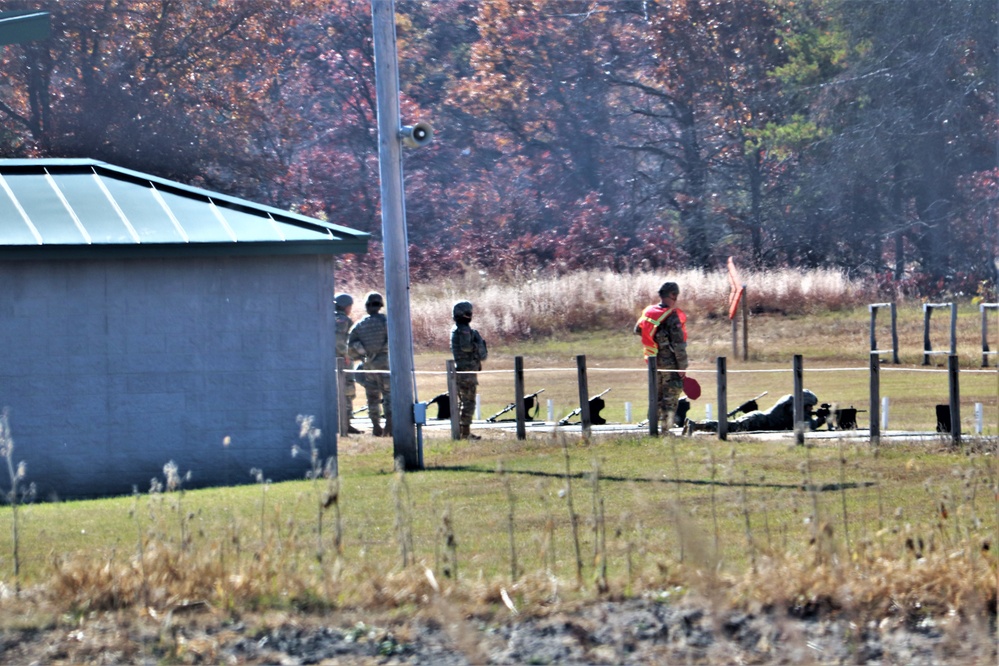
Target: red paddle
pixel 691 388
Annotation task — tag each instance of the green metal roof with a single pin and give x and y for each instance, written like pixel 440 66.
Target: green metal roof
pixel 76 208
pixel 23 26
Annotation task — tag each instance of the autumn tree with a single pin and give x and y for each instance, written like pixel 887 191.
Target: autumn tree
pixel 903 103
pixel 697 71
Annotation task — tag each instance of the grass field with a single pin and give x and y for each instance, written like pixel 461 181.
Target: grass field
pixel 906 527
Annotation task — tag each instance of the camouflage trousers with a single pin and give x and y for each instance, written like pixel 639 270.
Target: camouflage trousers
pixel 467 386
pixel 378 390
pixel 670 386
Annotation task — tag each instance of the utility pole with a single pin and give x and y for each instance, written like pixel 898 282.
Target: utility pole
pixel 391 135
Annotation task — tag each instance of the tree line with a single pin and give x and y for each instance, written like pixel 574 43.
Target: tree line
pixel 622 134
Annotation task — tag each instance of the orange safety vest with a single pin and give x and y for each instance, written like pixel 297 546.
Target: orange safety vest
pixel 651 318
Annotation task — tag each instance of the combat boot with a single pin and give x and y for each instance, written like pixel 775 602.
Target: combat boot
pixel 465 432
pixel 351 430
pixel 387 432
pixel 376 429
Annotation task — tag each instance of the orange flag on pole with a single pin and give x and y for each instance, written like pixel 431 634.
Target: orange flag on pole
pixel 735 294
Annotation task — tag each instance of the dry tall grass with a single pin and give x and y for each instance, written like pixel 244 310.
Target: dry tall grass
pixel 541 305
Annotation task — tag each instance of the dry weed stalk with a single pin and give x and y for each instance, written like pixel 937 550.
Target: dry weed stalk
pixel 16 495
pixel 450 569
pixel 713 477
pixel 750 543
pixel 403 503
pixel 842 492
pixel 548 555
pixel 676 488
pixel 319 469
pixel 510 525
pixel 599 531
pixel 573 518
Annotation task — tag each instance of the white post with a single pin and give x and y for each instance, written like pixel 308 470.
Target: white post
pixel 478 407
pixel 551 410
pixel 884 413
pixel 627 412
pixel 707 411
pixel 978 418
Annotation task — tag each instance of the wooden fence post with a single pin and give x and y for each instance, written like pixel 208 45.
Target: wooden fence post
pixel 799 400
pixel 518 396
pixel 452 394
pixel 584 395
pixel 722 380
pixel 874 405
pixel 953 366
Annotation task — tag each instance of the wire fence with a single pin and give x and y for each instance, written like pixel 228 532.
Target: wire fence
pixel 901 404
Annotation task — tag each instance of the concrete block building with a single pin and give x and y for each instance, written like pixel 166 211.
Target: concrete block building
pixel 143 321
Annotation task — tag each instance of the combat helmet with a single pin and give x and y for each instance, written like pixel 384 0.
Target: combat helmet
pixel 374 300
pixel 461 309
pixel 343 300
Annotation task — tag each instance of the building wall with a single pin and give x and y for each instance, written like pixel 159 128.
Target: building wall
pixel 112 368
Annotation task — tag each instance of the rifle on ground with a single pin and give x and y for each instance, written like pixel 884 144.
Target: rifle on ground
pixel 359 411
pixel 529 403
pixel 596 404
pixel 748 406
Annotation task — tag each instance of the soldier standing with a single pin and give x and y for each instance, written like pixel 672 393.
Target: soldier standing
pixel 368 340
pixel 344 304
pixel 663 328
pixel 469 351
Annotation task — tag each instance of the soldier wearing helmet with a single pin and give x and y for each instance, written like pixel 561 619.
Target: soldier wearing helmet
pixel 344 304
pixel 778 417
pixel 663 328
pixel 368 341
pixel 469 351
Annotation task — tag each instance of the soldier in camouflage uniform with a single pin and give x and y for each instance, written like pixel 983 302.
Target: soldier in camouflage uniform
pixel 368 340
pixel 663 328
pixel 778 417
pixel 344 304
pixel 469 351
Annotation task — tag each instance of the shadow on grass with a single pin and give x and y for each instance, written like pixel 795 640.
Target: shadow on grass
pixel 825 487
